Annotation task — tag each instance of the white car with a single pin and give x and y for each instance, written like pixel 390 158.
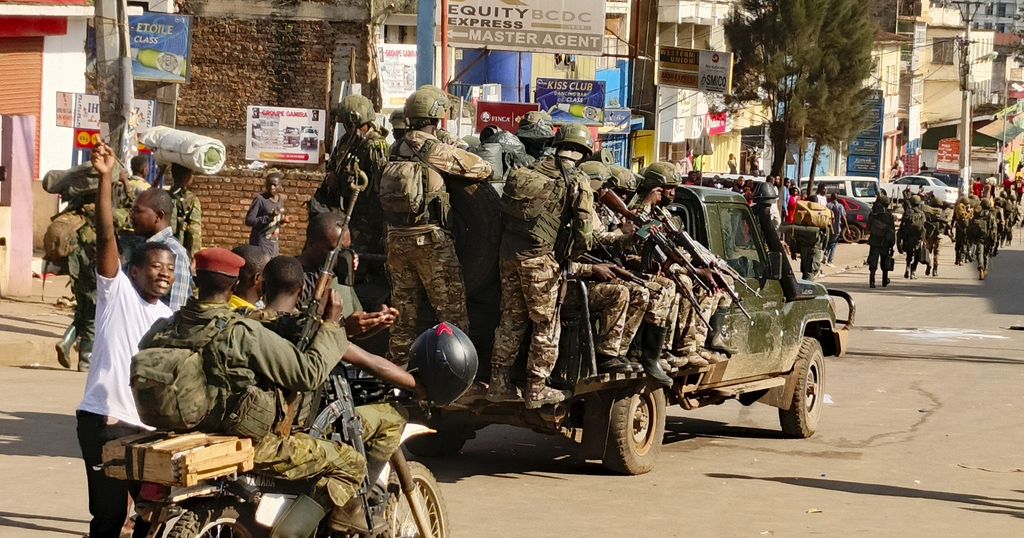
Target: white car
pixel 941 191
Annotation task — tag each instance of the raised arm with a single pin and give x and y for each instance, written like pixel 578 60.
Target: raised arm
pixel 108 262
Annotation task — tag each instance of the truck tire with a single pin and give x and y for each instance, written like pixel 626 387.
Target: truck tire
pixel 636 426
pixel 801 419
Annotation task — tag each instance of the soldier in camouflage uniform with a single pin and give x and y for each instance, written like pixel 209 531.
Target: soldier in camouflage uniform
pixel 361 150
pixel 421 257
pixel 187 221
pixel 399 126
pixel 936 225
pixel 911 235
pixel 982 233
pixel 962 213
pixel 547 221
pixel 536 131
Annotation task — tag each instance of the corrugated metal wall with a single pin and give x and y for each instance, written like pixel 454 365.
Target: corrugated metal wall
pixel 21 80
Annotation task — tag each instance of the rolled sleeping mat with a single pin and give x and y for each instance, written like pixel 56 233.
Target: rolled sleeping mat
pixel 200 153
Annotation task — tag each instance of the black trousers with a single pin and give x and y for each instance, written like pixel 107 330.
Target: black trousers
pixel 108 498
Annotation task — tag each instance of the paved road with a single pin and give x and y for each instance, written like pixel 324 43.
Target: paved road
pixel 922 438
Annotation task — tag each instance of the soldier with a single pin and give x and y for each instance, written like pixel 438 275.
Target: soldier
pixel 911 235
pixel 982 232
pixel 962 214
pixel 421 257
pixel 536 131
pixel 882 239
pixel 547 220
pixel 936 224
pixel 361 150
pixel 260 362
pixel 399 126
pixel 188 212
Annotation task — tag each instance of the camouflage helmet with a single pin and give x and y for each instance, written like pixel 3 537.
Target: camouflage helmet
pixel 576 136
pixel 622 178
pixel 915 200
pixel 962 200
pixel 428 102
pixel 659 174
pixel 356 111
pixel 603 156
pixel 986 203
pixel 1012 196
pixel 599 174
pixel 882 199
pixel 398 120
pixel 937 203
pixel 536 124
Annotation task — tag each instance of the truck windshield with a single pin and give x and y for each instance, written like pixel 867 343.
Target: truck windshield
pixel 864 189
pixel 740 242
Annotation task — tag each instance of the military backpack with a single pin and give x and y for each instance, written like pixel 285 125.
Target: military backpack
pixel 982 227
pixel 810 213
pixel 61 237
pixel 914 221
pixel 405 189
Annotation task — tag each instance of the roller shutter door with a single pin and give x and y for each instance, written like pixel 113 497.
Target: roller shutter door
pixel 21 80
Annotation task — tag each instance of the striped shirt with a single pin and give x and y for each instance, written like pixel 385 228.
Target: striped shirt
pixel 182 288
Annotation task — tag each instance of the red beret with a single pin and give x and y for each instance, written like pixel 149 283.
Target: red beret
pixel 219 260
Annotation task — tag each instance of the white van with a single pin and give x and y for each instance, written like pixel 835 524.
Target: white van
pixel 864 189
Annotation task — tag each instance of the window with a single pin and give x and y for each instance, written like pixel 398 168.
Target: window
pixel 865 189
pixel 740 241
pixel 1000 10
pixel 942 51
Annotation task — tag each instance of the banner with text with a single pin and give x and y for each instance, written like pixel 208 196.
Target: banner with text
pixel 505 116
pixel 285 135
pixel 161 44
pixel 708 71
pixel 571 101
pixel 555 26
pixel 864 154
pixel 397 73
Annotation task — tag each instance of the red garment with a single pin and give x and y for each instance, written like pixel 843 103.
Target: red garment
pixel 978 188
pixel 791 210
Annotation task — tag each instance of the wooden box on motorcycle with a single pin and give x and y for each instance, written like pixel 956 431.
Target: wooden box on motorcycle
pixel 176 460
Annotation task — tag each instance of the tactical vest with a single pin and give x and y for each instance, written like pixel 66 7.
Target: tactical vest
pixel 412 191
pixel 535 203
pixel 982 226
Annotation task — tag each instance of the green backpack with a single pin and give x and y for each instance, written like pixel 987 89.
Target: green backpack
pixel 169 378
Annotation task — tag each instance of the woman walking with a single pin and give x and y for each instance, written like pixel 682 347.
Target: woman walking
pixel 266 216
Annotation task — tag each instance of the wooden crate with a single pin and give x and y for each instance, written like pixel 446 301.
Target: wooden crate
pixel 177 460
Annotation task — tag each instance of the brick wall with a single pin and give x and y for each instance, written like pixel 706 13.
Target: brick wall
pixel 226 199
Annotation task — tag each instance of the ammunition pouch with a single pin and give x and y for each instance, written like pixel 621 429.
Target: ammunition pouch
pixel 254 414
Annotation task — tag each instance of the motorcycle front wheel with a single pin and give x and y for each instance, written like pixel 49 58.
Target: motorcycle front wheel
pixel 400 518
pixel 211 521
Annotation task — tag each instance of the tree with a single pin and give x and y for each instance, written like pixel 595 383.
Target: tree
pixel 806 62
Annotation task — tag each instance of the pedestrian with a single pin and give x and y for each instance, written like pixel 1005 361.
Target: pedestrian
pixel 266 216
pixel 127 304
pixel 187 221
pixel 248 292
pixel 820 197
pixel 838 225
pixel 882 239
pixel 978 187
pixel 151 216
pixel 733 165
pixel 794 197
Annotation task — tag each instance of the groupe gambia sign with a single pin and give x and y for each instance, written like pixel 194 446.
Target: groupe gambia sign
pixel 560 26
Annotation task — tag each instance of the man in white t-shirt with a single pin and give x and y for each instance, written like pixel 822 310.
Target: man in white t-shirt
pixel 127 304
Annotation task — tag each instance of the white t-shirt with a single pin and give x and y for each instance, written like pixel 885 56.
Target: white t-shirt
pixel 122 318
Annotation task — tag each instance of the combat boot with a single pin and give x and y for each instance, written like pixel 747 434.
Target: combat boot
pixel 609 364
pixel 501 388
pixel 698 359
pixel 871 279
pixel 83 361
pixel 63 346
pixel 906 273
pixel 885 279
pixel 539 394
pixel 650 352
pixel 351 517
pixel 716 335
pixel 927 270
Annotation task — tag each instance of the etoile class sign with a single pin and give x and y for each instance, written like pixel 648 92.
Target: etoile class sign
pixel 556 26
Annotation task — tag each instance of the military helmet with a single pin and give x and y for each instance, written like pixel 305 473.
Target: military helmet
pixel 603 156
pixel 622 178
pixel 659 174
pixel 398 120
pixel 962 200
pixel 428 102
pixel 765 193
pixel 986 203
pixel 915 200
pixel 936 202
pixel 444 360
pixel 575 136
pixel 536 124
pixel 599 174
pixel 882 199
pixel 356 111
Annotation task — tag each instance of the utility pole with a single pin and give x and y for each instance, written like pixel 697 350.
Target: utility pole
pixel 968 9
pixel 114 75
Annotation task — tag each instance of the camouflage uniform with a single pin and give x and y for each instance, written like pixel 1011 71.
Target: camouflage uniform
pixel 248 355
pixel 82 272
pixel 187 223
pixel 370 153
pixel 961 219
pixel 936 225
pixel 982 233
pixel 421 255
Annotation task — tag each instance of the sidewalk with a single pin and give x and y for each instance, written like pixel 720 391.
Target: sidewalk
pixel 848 257
pixel 30 326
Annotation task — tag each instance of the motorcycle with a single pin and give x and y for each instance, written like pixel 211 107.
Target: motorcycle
pixel 402 501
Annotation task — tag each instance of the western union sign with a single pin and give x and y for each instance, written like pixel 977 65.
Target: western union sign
pixel 708 71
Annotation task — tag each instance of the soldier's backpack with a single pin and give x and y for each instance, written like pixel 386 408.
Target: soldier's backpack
pixel 964 213
pixel 982 227
pixel 61 237
pixel 810 213
pixel 914 221
pixel 169 380
pixel 534 201
pixel 405 189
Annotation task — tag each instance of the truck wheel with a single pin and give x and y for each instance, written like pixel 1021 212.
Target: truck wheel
pixel 801 419
pixel 636 425
pixel 853 234
pixel 446 442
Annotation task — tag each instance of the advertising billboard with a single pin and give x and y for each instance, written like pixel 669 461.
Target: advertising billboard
pixel 571 101
pixel 160 45
pixel 555 26
pixel 284 135
pixel 397 73
pixel 505 116
pixel 708 71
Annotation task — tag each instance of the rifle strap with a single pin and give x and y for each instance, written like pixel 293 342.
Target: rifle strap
pixel 284 428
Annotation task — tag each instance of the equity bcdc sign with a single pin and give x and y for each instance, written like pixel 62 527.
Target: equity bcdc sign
pixel 556 26
pixel 505 116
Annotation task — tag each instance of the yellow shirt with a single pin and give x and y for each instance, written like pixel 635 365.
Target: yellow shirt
pixel 238 303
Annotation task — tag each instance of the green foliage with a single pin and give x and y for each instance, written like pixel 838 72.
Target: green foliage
pixel 806 61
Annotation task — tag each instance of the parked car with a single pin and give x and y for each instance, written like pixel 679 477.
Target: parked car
pixel 291 137
pixel 856 219
pixel 951 179
pixel 929 184
pixel 864 189
pixel 309 139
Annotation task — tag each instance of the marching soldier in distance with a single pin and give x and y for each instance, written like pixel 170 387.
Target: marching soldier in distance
pixel 963 212
pixel 421 257
pixel 882 228
pixel 982 232
pixel 911 235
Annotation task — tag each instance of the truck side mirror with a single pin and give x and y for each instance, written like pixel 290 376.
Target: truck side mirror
pixel 775 261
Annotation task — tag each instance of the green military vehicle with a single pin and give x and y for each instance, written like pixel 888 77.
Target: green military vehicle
pixel 619 419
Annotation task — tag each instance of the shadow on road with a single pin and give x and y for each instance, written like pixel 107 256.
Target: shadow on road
pixel 1015 507
pixel 52 333
pixel 890 356
pixel 8 519
pixel 38 434
pixel 680 429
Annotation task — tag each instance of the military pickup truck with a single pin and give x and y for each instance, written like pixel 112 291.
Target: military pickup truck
pixel 619 419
